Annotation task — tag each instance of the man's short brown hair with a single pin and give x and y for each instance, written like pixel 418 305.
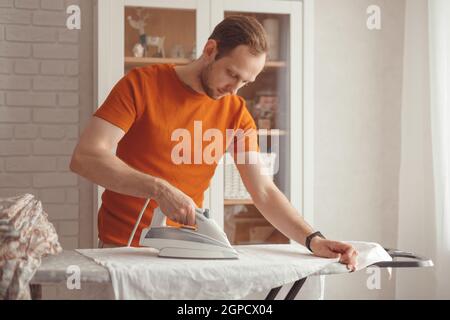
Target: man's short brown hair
pixel 239 30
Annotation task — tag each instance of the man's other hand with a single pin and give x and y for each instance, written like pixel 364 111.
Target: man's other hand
pixel 325 248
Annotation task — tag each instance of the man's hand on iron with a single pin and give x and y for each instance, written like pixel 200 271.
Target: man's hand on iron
pixel 325 248
pixel 176 205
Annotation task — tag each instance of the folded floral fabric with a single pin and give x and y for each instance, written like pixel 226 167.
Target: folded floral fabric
pixel 26 235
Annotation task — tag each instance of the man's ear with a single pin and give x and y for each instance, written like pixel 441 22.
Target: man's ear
pixel 210 49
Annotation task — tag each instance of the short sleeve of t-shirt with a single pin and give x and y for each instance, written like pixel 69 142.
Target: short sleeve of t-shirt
pixel 124 103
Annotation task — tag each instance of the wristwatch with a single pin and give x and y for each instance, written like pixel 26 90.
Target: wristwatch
pixel 310 237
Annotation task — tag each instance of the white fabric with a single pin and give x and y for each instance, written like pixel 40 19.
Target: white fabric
pixel 138 273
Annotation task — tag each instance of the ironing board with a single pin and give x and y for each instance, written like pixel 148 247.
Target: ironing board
pixel 414 261
pixel 53 270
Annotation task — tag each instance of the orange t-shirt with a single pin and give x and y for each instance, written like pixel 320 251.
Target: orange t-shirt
pixel 158 114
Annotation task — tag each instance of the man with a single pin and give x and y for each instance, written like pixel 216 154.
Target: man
pixel 142 113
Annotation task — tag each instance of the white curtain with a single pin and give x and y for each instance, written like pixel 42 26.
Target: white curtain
pixel 424 189
pixel 439 26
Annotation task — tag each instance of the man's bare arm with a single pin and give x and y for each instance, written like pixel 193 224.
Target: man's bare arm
pixel 93 159
pixel 273 204
pixel 277 209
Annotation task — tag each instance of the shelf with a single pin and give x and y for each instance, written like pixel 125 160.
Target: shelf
pixel 272 132
pixel 139 62
pixel 275 64
pixel 232 202
pixel 252 220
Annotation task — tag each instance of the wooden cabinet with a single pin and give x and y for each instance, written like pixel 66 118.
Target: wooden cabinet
pixel 133 33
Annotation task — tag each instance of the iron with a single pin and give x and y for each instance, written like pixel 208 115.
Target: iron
pixel 204 241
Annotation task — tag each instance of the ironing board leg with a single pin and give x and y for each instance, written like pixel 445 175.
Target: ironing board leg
pixel 295 289
pixel 36 291
pixel 292 292
pixel 273 293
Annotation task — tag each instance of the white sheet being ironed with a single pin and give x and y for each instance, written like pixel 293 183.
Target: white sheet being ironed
pixel 138 273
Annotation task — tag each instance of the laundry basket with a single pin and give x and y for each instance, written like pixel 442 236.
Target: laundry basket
pixel 234 188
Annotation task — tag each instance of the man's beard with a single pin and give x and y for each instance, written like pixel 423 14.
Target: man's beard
pixel 204 77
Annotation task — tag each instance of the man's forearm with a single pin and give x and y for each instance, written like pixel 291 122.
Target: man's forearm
pixel 110 172
pixel 277 209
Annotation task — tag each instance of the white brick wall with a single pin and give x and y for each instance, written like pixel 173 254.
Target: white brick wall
pixel 52 5
pixel 15 16
pixel 27 4
pixel 30 34
pixel 26 131
pixel 6 66
pixel 40 109
pixel 24 99
pixel 14 115
pixel 55 115
pixel 9 82
pixel 24 66
pixel 6 3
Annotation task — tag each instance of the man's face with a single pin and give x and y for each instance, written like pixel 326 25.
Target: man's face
pixel 231 72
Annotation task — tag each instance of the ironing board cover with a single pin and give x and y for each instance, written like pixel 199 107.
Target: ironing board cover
pixel 138 273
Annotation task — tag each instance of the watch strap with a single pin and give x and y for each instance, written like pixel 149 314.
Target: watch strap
pixel 310 237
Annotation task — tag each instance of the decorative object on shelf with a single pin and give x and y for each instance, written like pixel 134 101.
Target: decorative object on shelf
pixel 272 27
pixel 265 109
pixel 250 106
pixel 234 187
pixel 140 26
pixel 260 234
pixel 146 40
pixel 245 225
pixel 138 50
pixel 230 227
pixel 264 124
pixel 193 53
pixel 157 42
pixel 140 23
pixel 177 51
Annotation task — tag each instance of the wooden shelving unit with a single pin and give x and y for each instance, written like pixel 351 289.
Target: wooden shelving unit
pixel 272 132
pixel 275 64
pixel 140 62
pixel 232 202
pixel 186 25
